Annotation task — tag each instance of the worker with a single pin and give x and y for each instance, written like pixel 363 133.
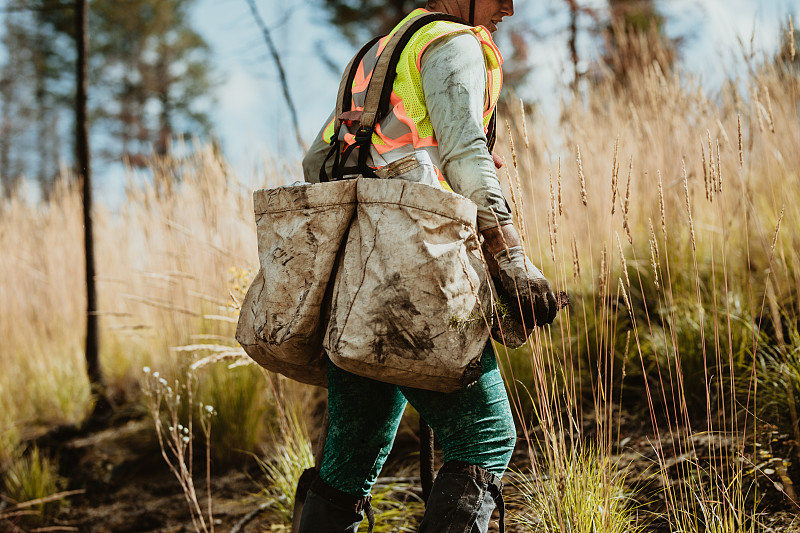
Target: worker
pixel 445 92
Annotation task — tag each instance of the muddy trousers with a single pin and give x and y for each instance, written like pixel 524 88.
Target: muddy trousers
pixel 473 425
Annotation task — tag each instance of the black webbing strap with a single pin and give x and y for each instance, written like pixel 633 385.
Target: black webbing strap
pixel 344 100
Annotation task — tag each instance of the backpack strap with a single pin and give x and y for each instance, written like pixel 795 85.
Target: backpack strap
pixel 379 92
pixel 343 104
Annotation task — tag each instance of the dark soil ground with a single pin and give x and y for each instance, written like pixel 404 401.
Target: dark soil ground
pixel 127 487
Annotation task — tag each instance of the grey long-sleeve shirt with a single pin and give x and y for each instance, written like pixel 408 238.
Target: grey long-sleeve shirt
pixel 454 85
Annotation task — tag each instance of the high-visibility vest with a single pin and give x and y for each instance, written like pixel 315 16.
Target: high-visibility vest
pixel 407 127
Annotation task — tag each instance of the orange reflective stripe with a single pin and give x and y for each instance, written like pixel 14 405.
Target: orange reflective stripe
pixel 361 80
pixel 391 144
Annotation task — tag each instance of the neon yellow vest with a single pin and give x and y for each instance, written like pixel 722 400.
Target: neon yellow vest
pixel 407 127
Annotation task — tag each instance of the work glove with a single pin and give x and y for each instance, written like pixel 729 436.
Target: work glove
pixel 530 293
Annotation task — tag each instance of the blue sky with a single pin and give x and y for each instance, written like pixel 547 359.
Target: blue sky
pixel 250 113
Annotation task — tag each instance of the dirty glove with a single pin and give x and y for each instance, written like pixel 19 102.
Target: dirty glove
pixel 519 277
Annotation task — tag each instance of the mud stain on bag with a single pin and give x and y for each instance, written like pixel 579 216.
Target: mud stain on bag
pixel 393 328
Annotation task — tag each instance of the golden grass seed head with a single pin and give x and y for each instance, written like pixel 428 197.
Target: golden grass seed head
pixel 777 229
pixel 524 122
pixel 719 169
pixel 511 143
pixel 581 176
pixel 625 298
pixel 624 261
pixel 723 132
pixel 560 199
pixel 576 265
pixel 688 204
pixel 614 176
pixel 770 115
pixel 705 171
pixel 653 263
pixel 741 146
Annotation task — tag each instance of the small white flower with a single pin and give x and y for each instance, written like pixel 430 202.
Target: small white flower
pixel 171 428
pixel 186 440
pixel 180 427
pixel 155 374
pixel 163 381
pixel 186 431
pixel 210 409
pixel 146 370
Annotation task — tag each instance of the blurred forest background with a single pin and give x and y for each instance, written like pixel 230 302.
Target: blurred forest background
pixel 154 75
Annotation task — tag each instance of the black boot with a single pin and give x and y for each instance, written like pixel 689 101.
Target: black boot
pixel 329 510
pixel 462 500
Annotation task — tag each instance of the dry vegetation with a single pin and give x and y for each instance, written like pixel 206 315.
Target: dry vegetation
pixel 670 215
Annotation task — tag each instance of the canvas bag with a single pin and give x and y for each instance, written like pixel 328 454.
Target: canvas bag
pixel 300 231
pixel 411 301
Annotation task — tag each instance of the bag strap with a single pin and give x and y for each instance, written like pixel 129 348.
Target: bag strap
pixel 344 100
pixel 345 97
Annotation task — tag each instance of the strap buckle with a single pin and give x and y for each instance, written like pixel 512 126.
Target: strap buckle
pixel 364 136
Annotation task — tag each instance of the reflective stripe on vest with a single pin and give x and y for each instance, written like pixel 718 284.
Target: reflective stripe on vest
pixel 407 128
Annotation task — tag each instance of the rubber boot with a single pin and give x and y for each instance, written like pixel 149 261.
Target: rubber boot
pixel 329 510
pixel 462 499
pixel 301 493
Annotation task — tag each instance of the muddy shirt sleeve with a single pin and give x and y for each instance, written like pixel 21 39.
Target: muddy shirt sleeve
pixel 316 155
pixel 454 84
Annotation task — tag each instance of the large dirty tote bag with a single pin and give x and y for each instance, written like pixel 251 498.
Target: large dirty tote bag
pixel 411 302
pixel 300 231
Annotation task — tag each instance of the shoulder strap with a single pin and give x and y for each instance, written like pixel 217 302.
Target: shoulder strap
pixel 345 96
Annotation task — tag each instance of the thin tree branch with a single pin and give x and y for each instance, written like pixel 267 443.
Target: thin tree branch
pixel 276 57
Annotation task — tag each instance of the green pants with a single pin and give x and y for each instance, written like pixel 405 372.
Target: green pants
pixel 473 424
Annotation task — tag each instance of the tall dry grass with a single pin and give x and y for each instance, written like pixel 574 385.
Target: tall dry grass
pixel 164 277
pixel 671 215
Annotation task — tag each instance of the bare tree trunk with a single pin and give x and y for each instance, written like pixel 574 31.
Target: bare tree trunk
pixel 94 371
